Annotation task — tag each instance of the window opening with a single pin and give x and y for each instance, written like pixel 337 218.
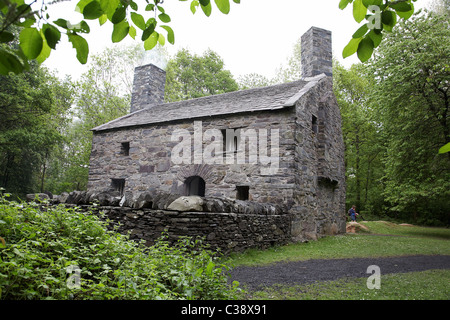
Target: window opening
pixel 125 149
pixel 315 126
pixel 195 186
pixel 234 138
pixel 118 185
pixel 242 192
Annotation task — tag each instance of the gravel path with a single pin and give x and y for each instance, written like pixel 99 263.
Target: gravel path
pixel 303 272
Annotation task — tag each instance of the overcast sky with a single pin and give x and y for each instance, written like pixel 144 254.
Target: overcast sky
pixel 255 37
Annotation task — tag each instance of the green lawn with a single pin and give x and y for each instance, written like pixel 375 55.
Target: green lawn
pixel 425 285
pixel 383 239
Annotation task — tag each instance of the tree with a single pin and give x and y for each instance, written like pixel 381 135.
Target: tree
pixel 441 6
pixel 411 95
pixel 364 150
pixel 39 35
pixel 191 76
pixel 33 114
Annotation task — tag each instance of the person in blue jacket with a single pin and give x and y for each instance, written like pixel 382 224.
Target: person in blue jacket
pixel 352 213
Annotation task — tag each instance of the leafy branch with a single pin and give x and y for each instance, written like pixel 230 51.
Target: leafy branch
pixel 380 16
pixel 38 36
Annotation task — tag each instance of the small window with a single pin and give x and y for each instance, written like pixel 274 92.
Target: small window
pixel 118 185
pixel 195 186
pixel 315 126
pixel 242 192
pixel 125 149
pixel 234 138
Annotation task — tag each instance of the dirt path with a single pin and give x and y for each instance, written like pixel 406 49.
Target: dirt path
pixel 303 272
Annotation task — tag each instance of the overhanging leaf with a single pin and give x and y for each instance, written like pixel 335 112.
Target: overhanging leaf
pixel 45 52
pixel 109 7
pixel 445 148
pixel 368 3
pixel 164 17
pixel 138 20
pixel 351 47
pixel 31 42
pixel 359 11
pixel 194 5
pixel 223 5
pixel 406 14
pixel 389 19
pixel 81 46
pixel 119 15
pixel 361 31
pixel 206 8
pixel 120 31
pixel 365 49
pixel 343 4
pixel 151 41
pixel 148 31
pixel 376 37
pixel 170 34
pixel 401 6
pixel 92 10
pixel 52 35
pixel 132 32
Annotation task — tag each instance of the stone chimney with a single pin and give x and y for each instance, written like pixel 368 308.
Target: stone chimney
pixel 317 56
pixel 148 87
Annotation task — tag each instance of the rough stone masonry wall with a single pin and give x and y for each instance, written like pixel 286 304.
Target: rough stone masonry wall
pixel 230 232
pixel 230 225
pixel 316 52
pixel 148 87
pixel 149 167
pixel 319 161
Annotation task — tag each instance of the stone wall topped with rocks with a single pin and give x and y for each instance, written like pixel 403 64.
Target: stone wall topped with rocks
pixel 228 225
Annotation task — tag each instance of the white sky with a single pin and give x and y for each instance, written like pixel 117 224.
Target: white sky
pixel 255 37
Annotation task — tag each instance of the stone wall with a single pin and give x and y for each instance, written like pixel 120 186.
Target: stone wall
pixel 319 161
pixel 317 53
pixel 148 166
pixel 229 225
pixel 148 87
pixel 230 232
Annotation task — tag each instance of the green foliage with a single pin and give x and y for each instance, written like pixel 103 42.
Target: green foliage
pixel 33 114
pixel 410 95
pixel 381 18
pixel 191 76
pixel 45 251
pixel 363 144
pixel 39 34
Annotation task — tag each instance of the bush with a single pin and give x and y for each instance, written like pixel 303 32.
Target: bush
pixel 60 253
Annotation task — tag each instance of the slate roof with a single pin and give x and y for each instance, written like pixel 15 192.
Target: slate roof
pixel 259 99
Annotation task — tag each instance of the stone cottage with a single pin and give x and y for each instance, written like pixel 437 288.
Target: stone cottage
pixel 279 145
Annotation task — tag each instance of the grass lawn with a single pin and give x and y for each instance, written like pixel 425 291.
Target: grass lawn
pixel 382 240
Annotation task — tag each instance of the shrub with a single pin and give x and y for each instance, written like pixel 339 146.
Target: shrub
pixel 63 253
